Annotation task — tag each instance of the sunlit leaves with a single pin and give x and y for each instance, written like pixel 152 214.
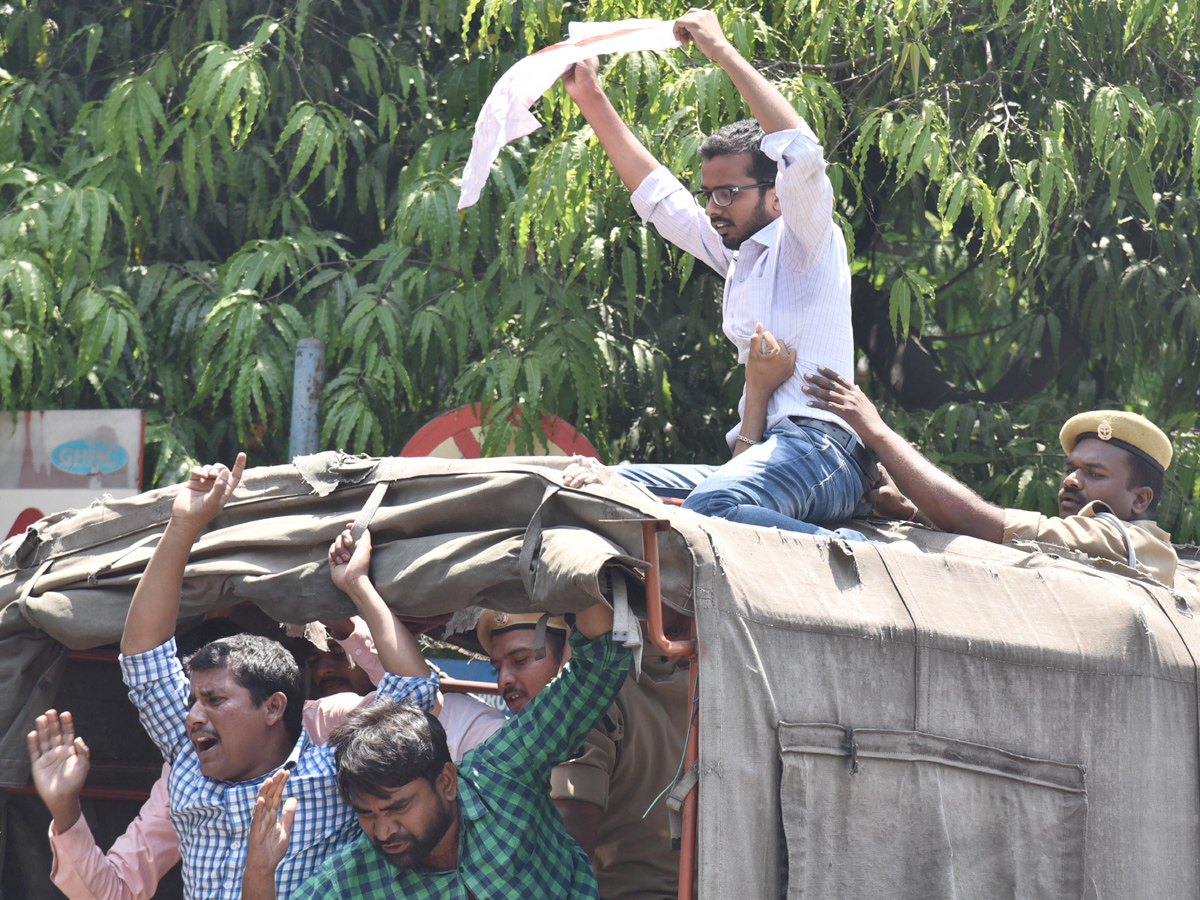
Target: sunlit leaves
pixel 27 286
pixel 1017 181
pixel 359 410
pixel 227 87
pixel 133 117
pixel 910 293
pixel 24 119
pixel 910 143
pixel 18 348
pixel 106 322
pixel 246 342
pixel 427 213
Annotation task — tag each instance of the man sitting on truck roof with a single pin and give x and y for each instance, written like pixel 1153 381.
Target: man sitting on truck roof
pixel 431 829
pixel 762 219
pixel 1107 498
pixel 769 365
pixel 234 716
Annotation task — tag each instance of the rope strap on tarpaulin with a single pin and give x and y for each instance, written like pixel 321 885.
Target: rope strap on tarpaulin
pixel 676 796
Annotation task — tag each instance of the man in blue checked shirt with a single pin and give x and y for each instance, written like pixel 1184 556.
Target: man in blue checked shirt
pixel 230 717
pixel 485 828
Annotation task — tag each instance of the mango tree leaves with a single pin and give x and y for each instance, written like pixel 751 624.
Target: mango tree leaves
pixel 186 191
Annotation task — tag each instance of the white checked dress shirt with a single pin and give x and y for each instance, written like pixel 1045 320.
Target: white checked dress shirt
pixel 212 817
pixel 793 275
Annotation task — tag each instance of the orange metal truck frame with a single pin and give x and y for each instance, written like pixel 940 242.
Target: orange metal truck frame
pixel 678 651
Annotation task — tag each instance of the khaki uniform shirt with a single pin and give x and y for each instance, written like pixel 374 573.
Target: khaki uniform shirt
pixel 629 757
pixel 1096 537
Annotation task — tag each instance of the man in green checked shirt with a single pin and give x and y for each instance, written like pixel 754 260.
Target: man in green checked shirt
pixel 485 829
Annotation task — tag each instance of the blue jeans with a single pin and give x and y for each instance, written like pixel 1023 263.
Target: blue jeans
pixel 795 478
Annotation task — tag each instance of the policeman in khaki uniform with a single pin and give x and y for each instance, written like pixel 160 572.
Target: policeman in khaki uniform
pixel 626 761
pixel 510 639
pixel 1097 444
pixel 1107 499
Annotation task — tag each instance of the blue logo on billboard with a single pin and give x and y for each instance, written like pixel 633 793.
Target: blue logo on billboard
pixel 84 457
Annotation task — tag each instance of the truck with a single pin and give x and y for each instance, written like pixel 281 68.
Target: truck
pixel 921 715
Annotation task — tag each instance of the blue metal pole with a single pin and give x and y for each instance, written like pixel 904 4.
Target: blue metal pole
pixel 306 392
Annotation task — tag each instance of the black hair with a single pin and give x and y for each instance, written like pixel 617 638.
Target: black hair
pixel 1143 474
pixel 385 746
pixel 206 632
pixel 744 136
pixel 260 665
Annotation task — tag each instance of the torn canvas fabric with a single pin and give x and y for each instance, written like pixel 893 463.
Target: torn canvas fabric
pixel 505 115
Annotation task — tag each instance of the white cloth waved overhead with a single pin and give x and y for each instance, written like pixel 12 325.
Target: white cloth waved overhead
pixel 505 115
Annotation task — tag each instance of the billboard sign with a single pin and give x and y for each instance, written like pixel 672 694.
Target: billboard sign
pixel 66 459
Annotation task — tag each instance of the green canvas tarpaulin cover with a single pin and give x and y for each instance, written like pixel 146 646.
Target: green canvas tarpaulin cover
pixel 979 721
pixel 448 534
pixel 927 716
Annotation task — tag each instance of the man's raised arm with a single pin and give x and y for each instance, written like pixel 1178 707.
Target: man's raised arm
pixel 154 611
pixel 945 502
pixel 772 110
pixel 350 570
pixel 267 842
pixel 551 727
pixel 137 860
pixel 632 161
pixel 594 621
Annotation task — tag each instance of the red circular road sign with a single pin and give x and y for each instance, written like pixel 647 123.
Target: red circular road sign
pixel 456 435
pixel 24 520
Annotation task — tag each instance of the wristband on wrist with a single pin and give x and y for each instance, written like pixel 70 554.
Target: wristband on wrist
pixel 913 517
pixel 746 440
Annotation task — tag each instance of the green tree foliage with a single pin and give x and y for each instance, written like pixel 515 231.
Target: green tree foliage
pixel 187 189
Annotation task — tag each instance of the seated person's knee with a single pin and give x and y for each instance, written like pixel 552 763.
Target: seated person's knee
pixel 721 504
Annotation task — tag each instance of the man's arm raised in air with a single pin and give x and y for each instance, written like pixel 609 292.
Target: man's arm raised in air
pixel 772 110
pixel 632 161
pixel 551 727
pixel 943 501
pixel 138 859
pixel 350 570
pixel 594 621
pixel 267 841
pixel 271 821
pixel 154 611
pixel 658 196
pixel 629 157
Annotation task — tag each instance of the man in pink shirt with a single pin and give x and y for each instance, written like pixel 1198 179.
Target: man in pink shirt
pixel 137 861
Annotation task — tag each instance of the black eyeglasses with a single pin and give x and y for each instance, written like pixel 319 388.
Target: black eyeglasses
pixel 723 196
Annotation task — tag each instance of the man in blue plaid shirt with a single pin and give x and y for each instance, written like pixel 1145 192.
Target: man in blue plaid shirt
pixel 484 829
pixel 233 718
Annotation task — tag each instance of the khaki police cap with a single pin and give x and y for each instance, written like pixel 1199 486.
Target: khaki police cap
pixel 1127 430
pixel 492 622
